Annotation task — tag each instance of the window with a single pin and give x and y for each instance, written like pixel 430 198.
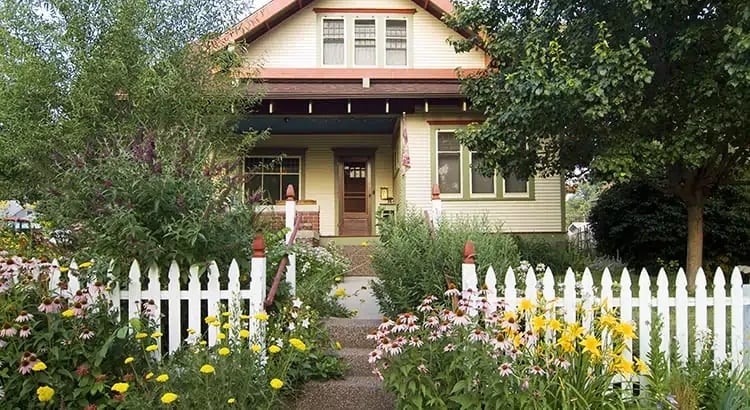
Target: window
pixel 515 186
pixel 271 175
pixel 365 51
pixel 448 163
pixel 395 42
pixel 333 42
pixel 480 184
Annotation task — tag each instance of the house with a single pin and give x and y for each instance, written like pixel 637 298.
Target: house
pixel 362 99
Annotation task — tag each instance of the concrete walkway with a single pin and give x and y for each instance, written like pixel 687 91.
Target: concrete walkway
pixel 359 297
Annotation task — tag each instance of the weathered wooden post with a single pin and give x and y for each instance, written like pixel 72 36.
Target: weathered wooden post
pixel 257 289
pixel 437 206
pixel 291 213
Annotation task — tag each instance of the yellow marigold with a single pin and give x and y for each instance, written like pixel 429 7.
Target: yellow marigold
pixel 231 401
pixel 45 393
pixel 262 316
pixel 162 378
pixel 525 305
pixel 256 348
pixel 156 335
pixel 120 387
pixel 168 397
pixel 129 360
pixel 591 344
pixel 224 351
pixel 207 369
pixel 626 330
pixel 538 323
pixel 39 366
pixel 209 319
pixel 274 349
pixel 221 336
pixel 244 333
pixel 226 326
pixel 68 313
pixel 298 344
pixel 339 292
pixel 276 384
pixel 85 265
pixel 141 335
pixel 151 348
pixel 149 375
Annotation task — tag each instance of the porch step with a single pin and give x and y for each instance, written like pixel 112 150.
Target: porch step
pixel 360 258
pixel 359 297
pixel 352 393
pixel 357 359
pixel 352 333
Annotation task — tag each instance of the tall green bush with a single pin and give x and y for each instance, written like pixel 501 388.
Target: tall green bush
pixel 412 260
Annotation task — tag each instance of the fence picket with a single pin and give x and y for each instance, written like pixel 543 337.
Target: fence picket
pixel 134 290
pixel 54 275
pixel 644 315
pixel 74 284
pixel 491 281
pixel 194 300
pixel 720 314
pixel 235 306
pixel 548 286
pixel 511 299
pixel 606 292
pixel 587 296
pixel 174 305
pixel 213 293
pixel 626 308
pixel 701 310
pixel 737 318
pixel 569 296
pixel 681 316
pixel 153 294
pixel 530 291
pixel 662 309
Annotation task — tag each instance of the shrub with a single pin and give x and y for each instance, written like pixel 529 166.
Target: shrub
pixel 557 254
pixel 642 224
pixel 412 261
pixel 318 270
pixel 471 354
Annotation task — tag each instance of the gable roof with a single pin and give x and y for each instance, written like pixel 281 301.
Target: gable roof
pixel 276 11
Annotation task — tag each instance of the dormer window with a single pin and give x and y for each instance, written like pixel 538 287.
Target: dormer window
pixel 334 48
pixel 365 40
pixel 395 42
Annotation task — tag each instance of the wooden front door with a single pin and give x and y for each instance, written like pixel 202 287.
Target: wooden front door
pixel 354 196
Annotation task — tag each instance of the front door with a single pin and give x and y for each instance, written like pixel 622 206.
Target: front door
pixel 354 196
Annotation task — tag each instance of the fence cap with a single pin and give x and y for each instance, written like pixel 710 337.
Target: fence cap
pixel 435 192
pixel 290 192
pixel 259 246
pixel 469 252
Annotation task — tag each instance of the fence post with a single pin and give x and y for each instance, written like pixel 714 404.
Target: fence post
pixel 437 206
pixel 469 269
pixel 291 213
pixel 257 288
pixel 746 324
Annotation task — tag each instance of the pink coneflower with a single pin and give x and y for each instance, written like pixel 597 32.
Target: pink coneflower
pixel 386 324
pixel 431 322
pixel 424 307
pixel 96 288
pixel 449 347
pixel 25 332
pixel 411 328
pixel 500 342
pixel 149 309
pixel 537 370
pixel 78 309
pixel 82 370
pixel 374 356
pixel 25 367
pixel 514 353
pixel 562 363
pixel 416 341
pixel 446 314
pixel 479 335
pixel 505 369
pixel 461 319
pixel 423 369
pixel 46 306
pixel 56 305
pixel 394 348
pixel 376 372
pixel 444 327
pixel 509 324
pixel 492 319
pixel 79 296
pixel 400 326
pixel 452 291
pixel 429 299
pixel 86 334
pixel 374 335
pixel 8 330
pixel 24 316
pixel 434 335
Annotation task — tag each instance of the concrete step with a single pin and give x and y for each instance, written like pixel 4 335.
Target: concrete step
pixel 352 333
pixel 352 393
pixel 360 258
pixel 359 297
pixel 357 359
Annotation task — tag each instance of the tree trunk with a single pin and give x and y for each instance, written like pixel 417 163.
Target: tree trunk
pixel 694 243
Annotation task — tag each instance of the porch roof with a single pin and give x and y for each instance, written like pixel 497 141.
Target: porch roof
pixel 306 125
pixel 354 89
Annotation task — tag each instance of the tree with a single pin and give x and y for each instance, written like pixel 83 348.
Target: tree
pixel 629 88
pixel 578 206
pixel 78 77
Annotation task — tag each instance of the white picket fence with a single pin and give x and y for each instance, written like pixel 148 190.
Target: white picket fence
pixel 568 294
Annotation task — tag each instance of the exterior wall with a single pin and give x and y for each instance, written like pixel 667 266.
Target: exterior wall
pixel 318 176
pixel 542 214
pixel 309 229
pixel 295 43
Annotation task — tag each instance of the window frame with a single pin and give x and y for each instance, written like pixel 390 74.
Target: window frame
pixel 385 42
pixel 492 194
pixel 281 157
pixel 507 194
pixel 322 39
pixel 354 41
pixel 436 173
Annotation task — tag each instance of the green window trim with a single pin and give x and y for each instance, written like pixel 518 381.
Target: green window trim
pixel 465 194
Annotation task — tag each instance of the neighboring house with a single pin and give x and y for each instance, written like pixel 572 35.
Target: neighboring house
pixel 362 98
pixel 17 216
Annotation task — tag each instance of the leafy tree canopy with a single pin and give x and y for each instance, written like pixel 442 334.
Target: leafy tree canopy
pixel 78 77
pixel 626 87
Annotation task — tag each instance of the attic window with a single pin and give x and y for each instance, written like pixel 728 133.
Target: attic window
pixel 364 42
pixel 333 42
pixel 395 42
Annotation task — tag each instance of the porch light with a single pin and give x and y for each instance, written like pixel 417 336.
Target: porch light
pixel 384 193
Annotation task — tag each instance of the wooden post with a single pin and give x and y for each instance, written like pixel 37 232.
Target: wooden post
pixel 257 289
pixel 291 213
pixel 746 324
pixel 469 269
pixel 437 206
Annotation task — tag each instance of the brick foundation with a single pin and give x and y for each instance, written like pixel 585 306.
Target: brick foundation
pixel 309 230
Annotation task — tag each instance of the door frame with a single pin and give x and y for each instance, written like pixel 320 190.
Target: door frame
pixel 367 155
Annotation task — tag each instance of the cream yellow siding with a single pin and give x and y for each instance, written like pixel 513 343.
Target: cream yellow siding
pixel 542 214
pixel 296 42
pixel 318 177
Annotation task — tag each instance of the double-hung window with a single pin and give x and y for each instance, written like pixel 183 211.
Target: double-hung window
pixel 270 176
pixel 481 185
pixel 515 186
pixel 334 45
pixel 365 43
pixel 395 43
pixel 448 163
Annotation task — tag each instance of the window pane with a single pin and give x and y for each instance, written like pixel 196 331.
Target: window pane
pixel 395 42
pixel 514 185
pixel 395 57
pixel 447 142
pixel 272 187
pixel 333 28
pixel 449 173
pixel 290 166
pixel 481 184
pixel 395 28
pixel 333 42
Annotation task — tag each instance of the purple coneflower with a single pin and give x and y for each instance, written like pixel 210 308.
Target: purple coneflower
pixel 46 306
pixel 374 356
pixel 452 291
pixel 536 370
pixel 479 335
pixel 461 319
pixel 25 332
pixel 449 347
pixel 24 316
pixel 8 330
pixel 86 334
pixel 506 369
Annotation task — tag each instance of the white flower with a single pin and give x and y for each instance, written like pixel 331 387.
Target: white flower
pixel 505 369
pixel 305 323
pixel 297 303
pixel 291 326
